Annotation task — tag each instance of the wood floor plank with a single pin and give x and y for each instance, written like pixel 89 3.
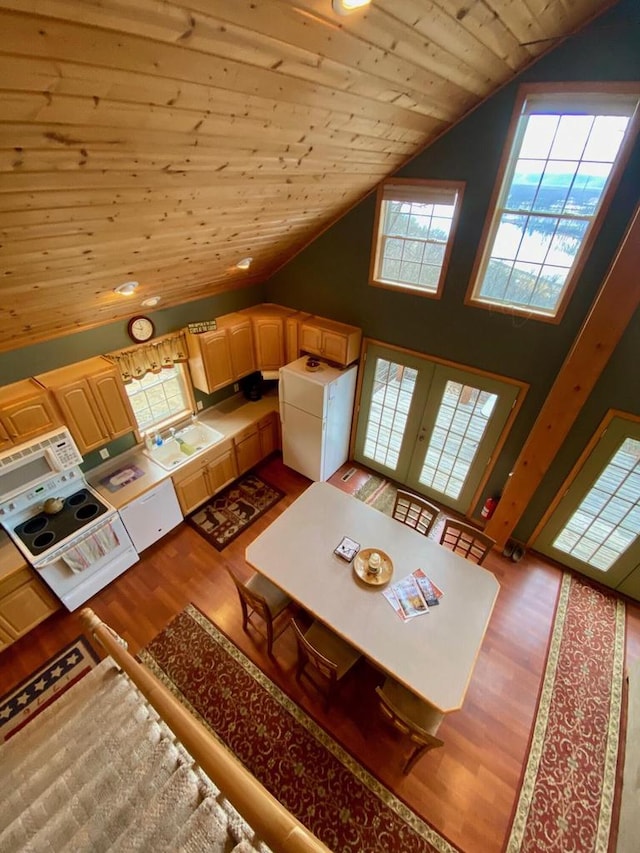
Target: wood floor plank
pixel 466 790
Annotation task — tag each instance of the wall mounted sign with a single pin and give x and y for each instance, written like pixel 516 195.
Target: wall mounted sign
pixel 202 326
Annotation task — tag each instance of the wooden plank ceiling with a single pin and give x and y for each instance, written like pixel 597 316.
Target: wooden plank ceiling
pixel 165 141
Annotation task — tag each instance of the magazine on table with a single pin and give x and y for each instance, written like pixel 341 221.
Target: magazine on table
pixel 429 590
pixel 410 598
pixel 347 549
pixel 413 595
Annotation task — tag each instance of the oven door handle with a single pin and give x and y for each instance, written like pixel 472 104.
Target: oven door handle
pixel 56 555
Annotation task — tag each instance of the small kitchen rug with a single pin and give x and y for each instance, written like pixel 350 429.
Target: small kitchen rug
pixel 378 493
pixel 231 511
pixel 43 687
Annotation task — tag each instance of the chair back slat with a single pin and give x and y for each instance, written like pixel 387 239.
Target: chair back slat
pixel 466 540
pixel 415 512
pixel 312 656
pixel 253 604
pixel 423 740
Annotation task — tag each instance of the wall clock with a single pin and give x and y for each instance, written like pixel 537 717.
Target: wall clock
pixel 141 329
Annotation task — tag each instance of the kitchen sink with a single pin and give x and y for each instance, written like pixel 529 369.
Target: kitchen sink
pixel 175 451
pixel 199 436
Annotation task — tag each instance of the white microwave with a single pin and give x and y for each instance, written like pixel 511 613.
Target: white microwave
pixel 30 464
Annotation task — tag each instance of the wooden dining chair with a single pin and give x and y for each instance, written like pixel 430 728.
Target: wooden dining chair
pixel 413 717
pixel 323 658
pixel 261 598
pixel 415 512
pixel 466 540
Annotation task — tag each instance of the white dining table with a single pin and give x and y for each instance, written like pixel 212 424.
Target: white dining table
pixel 433 654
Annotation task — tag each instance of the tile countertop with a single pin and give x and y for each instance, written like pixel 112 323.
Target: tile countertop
pixel 229 417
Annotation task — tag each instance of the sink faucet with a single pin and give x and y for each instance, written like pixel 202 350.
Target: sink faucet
pixel 172 432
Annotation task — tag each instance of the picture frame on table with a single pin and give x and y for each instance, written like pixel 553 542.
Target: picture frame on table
pixel 347 548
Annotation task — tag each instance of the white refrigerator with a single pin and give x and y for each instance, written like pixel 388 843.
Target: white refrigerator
pixel 316 409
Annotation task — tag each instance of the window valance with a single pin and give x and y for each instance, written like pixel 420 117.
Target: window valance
pixel 135 362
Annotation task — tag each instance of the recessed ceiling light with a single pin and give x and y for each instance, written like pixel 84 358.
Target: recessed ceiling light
pixel 151 301
pixel 244 264
pixel 346 7
pixel 126 289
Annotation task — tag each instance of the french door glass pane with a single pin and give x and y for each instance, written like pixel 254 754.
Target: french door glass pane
pixel 392 392
pixel 608 519
pixel 461 421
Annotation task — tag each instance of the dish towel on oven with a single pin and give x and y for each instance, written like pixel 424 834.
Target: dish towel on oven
pixel 90 550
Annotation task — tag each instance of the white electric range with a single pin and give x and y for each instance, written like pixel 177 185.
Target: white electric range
pixel 76 550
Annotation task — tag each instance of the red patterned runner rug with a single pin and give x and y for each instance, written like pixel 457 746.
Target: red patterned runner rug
pixel 295 759
pixel 567 793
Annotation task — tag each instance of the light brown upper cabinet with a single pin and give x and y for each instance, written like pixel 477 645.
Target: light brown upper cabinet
pixel 292 334
pixel 26 410
pixel 218 358
pixel 210 360
pixel 241 347
pixel 337 342
pixel 93 401
pixel 268 322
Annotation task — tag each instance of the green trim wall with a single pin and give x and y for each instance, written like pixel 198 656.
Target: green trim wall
pixel 29 361
pixel 330 277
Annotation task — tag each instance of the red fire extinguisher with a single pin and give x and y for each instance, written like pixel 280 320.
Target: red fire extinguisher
pixel 489 507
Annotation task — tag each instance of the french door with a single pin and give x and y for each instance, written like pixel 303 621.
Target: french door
pixel 429 426
pixel 596 526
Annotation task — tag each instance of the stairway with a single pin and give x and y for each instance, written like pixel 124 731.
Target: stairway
pixel 98 770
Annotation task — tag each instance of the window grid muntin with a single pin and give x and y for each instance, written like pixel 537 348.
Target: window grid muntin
pixel 158 398
pixel 436 213
pixel 458 430
pixel 603 508
pixel 391 396
pixel 502 210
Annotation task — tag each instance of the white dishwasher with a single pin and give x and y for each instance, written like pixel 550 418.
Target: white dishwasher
pixel 152 515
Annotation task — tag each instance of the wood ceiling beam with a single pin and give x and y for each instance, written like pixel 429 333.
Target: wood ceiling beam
pixel 614 306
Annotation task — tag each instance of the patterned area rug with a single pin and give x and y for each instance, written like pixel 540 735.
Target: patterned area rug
pixel 233 509
pixel 333 795
pixel 378 493
pixel 39 690
pixel 567 793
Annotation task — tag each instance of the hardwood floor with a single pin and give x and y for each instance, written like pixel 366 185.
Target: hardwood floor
pixel 467 789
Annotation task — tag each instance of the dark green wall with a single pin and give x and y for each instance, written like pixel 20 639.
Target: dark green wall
pixel 29 361
pixel 330 277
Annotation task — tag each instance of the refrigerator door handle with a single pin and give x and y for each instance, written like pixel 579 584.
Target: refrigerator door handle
pixel 281 396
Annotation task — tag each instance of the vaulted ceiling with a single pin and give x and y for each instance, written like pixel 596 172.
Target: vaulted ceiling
pixel 165 141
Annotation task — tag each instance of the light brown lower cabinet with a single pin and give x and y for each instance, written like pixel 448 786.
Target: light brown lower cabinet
pixel 24 602
pixel 205 476
pixel 247 444
pixel 268 431
pixel 256 442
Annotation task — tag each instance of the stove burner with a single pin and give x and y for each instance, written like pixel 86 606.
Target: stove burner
pixel 35 525
pixel 44 539
pixel 42 532
pixel 87 511
pixel 78 498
